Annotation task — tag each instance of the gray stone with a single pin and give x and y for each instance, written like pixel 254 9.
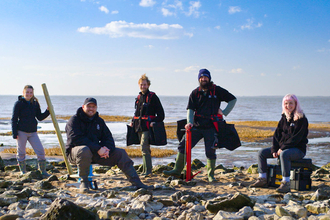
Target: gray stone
pixel 324 217
pixel 319 207
pixel 108 214
pixel 280 211
pixel 33 213
pixel 322 193
pixel 253 218
pixel 286 218
pixel 245 212
pixel 6 200
pixel 166 202
pixel 9 217
pixel 25 193
pixel 296 210
pixel 232 204
pixel 222 215
pixel 188 198
pixel 43 184
pixel 64 209
pixel 32 175
pixel 5 183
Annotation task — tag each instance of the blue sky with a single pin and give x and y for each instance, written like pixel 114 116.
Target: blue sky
pixel 251 48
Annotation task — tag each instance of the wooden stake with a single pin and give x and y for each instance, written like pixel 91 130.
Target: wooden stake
pixel 57 129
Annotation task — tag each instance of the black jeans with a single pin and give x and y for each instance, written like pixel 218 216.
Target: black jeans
pixel 196 135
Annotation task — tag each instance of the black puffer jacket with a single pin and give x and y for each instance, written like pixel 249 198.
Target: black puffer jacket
pixel 290 134
pixel 24 116
pixel 94 133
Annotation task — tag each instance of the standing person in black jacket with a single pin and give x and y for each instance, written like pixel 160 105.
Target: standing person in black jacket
pixel 203 105
pixel 24 128
pixel 89 140
pixel 148 110
pixel 289 143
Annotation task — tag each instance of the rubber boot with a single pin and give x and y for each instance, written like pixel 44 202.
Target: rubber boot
pixel 210 170
pixel 178 167
pixel 42 168
pixel 147 165
pixel 134 178
pixel 22 166
pixel 84 185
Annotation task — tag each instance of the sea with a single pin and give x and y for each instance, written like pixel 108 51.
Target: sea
pixel 256 108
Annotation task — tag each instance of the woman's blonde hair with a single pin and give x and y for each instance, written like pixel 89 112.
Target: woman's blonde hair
pixel 297 112
pixel 33 97
pixel 144 77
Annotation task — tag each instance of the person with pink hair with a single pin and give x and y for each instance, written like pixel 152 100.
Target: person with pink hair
pixel 289 143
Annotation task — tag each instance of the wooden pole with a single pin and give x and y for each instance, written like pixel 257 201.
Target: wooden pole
pixel 57 129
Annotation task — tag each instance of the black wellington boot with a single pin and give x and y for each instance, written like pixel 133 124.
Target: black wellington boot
pixel 134 178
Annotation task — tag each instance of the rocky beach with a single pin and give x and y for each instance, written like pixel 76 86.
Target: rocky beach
pixel 29 196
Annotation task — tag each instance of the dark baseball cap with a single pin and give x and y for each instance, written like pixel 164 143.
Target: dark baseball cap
pixel 90 100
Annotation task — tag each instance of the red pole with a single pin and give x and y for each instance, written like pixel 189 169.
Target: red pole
pixel 188 155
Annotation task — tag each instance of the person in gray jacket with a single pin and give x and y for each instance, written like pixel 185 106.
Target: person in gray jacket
pixel 89 140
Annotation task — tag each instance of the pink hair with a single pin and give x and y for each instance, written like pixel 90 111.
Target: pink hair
pixel 297 112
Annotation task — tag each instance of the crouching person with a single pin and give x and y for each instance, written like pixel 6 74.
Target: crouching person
pixel 89 140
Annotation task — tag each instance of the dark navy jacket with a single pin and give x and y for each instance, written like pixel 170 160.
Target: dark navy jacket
pixel 290 134
pixel 207 103
pixel 24 116
pixel 94 133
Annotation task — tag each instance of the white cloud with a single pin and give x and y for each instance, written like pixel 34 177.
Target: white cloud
pixel 238 70
pixel 189 69
pixel 234 9
pixel 104 9
pixel 296 67
pixel 193 9
pixel 147 3
pixel 171 9
pixel 262 74
pixel 150 46
pixel 114 12
pixel 217 27
pixel 117 29
pixel 166 12
pixel 250 25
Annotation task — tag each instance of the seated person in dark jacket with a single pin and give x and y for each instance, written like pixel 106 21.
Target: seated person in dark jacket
pixel 289 143
pixel 89 140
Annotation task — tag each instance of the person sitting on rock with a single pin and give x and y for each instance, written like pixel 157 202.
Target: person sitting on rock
pixel 289 143
pixel 89 140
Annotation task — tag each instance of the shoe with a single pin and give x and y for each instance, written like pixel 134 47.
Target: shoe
pixel 261 182
pixel 284 187
pixel 178 167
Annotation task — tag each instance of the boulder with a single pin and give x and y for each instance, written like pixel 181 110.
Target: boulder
pixel 64 209
pixel 233 204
